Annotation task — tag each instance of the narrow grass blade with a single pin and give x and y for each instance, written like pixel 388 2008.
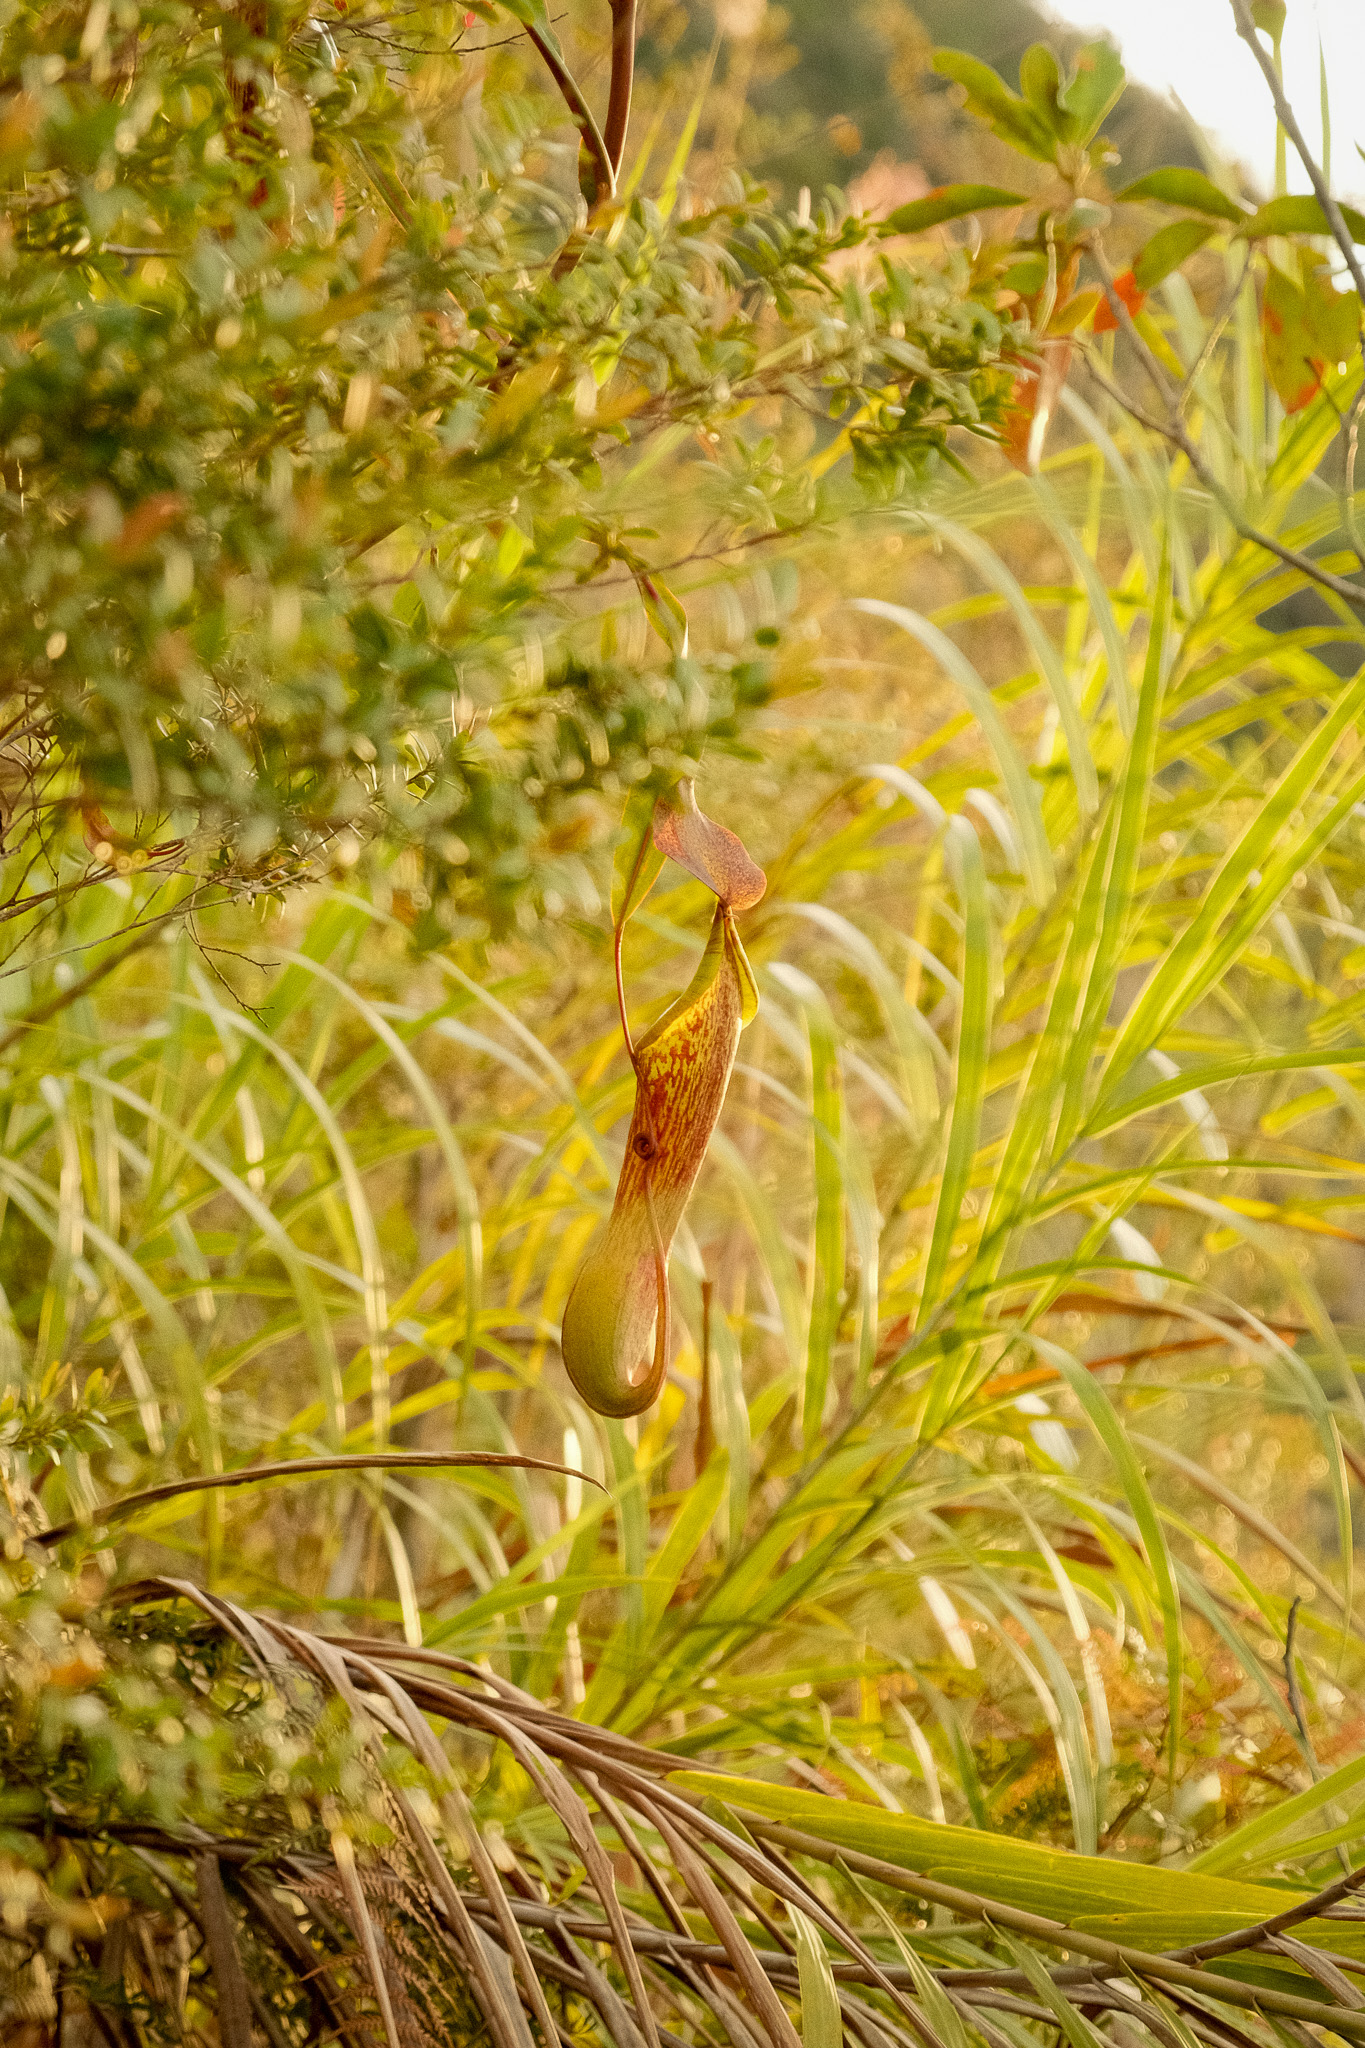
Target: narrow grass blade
pixel 1099 1411
pixel 1028 816
pixel 973 1052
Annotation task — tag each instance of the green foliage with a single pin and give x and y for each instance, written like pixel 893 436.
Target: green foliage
pixel 1185 188
pixel 112 1725
pixel 317 448
pixel 951 203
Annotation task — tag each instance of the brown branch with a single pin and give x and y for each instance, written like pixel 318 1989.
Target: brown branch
pixel 19 906
pixel 1215 334
pixel 1247 1937
pixel 297 1468
pixel 678 1944
pixel 234 2005
pixel 1293 1688
pixel 712 1860
pixel 1284 114
pixel 1348 488
pixel 622 79
pixel 649 1940
pixel 1173 429
pixel 82 987
pixel 1174 432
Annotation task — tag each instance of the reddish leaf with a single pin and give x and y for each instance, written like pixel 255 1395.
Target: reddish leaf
pixel 1293 362
pixel 711 852
pixel 146 522
pixel 1033 403
pixel 1133 297
pixel 665 612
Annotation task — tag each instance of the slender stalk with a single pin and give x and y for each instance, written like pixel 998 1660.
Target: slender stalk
pixel 302 1468
pixel 705 1427
pixel 1288 120
pixel 1215 333
pixel 1348 490
pixel 1173 429
pixel 1174 432
pixel 663 1320
pixel 622 79
pixel 1247 1937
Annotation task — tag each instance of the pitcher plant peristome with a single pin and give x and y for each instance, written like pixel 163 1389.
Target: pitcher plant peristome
pixel 682 1068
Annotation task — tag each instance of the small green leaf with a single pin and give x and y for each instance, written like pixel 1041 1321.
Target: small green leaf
pixel 1269 15
pixel 1040 81
pixel 511 549
pixel 1097 78
pixel 990 99
pixel 527 390
pixel 947 202
pixel 1027 276
pixel 1168 249
pixel 1177 187
pixel 1299 213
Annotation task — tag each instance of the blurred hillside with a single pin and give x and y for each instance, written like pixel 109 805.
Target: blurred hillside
pixel 818 92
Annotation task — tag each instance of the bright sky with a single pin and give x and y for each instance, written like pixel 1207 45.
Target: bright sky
pixel 1191 47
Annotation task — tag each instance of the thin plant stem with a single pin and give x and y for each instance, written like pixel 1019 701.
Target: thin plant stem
pixel 302 1468
pixel 622 79
pixel 1288 120
pixel 1174 430
pixel 1348 493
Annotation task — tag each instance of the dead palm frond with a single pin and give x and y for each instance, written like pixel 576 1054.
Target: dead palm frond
pixel 652 1913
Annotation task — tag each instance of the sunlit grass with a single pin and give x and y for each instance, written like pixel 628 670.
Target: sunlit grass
pixel 1037 1184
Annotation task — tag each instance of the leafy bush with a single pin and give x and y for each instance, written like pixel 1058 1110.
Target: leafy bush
pixel 317 451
